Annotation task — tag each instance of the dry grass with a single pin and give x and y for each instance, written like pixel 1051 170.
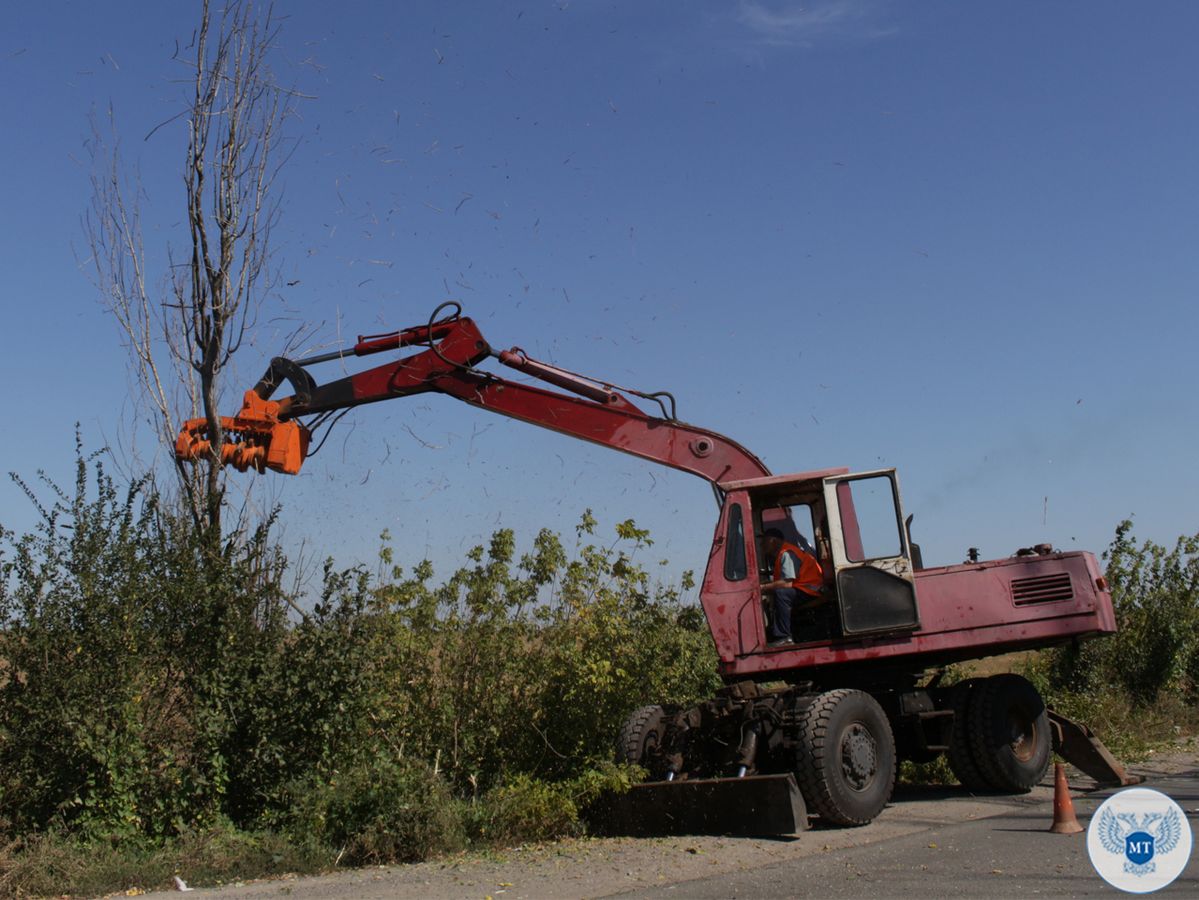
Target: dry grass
pixel 48 865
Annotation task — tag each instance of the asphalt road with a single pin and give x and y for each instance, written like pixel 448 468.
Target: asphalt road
pixel 928 843
pixel 1008 855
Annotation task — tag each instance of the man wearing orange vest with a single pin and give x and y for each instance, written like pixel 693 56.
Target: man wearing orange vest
pixel 797 582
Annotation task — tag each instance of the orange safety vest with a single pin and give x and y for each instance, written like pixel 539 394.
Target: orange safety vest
pixel 809 578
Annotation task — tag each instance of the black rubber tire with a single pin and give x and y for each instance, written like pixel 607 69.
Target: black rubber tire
pixel 640 736
pixel 1009 733
pixel 961 754
pixel 845 763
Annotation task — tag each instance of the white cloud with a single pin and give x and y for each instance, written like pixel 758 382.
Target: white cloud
pixel 800 22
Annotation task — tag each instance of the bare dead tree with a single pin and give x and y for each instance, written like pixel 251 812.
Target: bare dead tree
pixel 183 331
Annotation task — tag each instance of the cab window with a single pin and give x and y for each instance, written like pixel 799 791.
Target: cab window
pixel 878 526
pixel 735 565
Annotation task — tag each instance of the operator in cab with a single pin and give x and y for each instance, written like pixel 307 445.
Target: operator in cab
pixel 796 584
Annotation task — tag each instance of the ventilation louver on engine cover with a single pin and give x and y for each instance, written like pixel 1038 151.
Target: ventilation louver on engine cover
pixel 1042 589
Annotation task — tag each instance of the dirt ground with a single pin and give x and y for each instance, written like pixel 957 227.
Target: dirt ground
pixel 598 867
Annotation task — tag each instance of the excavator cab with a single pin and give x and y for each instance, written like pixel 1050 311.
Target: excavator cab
pixel 852 523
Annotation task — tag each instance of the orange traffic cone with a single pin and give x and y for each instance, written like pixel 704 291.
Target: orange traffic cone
pixel 1064 820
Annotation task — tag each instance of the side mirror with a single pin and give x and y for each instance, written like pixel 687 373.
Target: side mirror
pixel 917 558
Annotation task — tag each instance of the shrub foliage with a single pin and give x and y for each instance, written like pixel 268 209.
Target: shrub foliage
pixel 1155 592
pixel 153 685
pixel 1141 683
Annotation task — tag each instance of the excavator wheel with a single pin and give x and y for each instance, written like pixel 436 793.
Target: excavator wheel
pixel 961 754
pixel 845 763
pixel 641 737
pixel 1009 733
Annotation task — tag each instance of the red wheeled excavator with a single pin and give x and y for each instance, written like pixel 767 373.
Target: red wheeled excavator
pixel 810 727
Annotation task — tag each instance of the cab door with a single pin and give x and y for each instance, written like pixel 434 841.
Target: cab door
pixel 730 595
pixel 876 590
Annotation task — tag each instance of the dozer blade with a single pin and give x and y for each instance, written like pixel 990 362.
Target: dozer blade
pixel 755 805
pixel 1078 745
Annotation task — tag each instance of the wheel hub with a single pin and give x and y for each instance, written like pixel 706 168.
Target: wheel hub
pixel 1022 733
pixel 859 756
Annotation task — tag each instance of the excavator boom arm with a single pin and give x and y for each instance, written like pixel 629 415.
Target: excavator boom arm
pixel 269 434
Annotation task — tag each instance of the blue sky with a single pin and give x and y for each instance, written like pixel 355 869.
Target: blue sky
pixel 957 239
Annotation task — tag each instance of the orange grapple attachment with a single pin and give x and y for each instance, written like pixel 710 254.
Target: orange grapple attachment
pixel 254 438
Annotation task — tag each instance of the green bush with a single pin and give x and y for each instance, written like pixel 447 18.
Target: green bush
pixel 155 687
pixel 112 697
pixel 1138 686
pixel 306 707
pixel 526 809
pixel 379 811
pixel 1155 593
pixel 530 665
pixel 152 684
